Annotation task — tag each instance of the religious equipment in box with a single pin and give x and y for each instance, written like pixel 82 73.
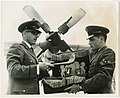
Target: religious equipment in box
pixel 70 68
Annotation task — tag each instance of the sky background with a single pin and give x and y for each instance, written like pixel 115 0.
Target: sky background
pixel 55 13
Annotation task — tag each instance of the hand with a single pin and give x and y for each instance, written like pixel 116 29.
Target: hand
pixel 45 45
pixel 48 36
pixel 74 88
pixel 42 70
pixel 45 66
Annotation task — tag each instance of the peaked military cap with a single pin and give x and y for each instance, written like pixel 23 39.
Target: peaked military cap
pixel 32 25
pixel 95 30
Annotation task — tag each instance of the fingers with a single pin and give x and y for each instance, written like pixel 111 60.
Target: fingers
pixel 68 88
pixel 46 64
pixel 73 89
pixel 73 92
pixel 50 65
pixel 52 62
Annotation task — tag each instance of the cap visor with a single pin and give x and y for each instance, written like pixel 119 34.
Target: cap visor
pixel 38 31
pixel 90 37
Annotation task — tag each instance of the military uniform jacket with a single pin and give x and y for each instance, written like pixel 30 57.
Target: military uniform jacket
pixel 21 66
pixel 100 72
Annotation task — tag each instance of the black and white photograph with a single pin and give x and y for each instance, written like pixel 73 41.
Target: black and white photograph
pixel 60 48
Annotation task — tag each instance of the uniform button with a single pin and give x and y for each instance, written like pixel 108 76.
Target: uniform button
pixel 30 61
pixel 23 90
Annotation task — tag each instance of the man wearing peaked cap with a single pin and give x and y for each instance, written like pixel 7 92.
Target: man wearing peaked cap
pixel 29 25
pixel 101 67
pixel 96 30
pixel 31 29
pixel 22 64
pixel 97 36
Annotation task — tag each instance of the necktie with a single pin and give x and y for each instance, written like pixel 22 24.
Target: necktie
pixel 32 50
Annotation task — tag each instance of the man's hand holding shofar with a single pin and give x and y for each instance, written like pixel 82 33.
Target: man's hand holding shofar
pixel 45 66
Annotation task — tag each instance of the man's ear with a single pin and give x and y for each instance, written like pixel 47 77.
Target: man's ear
pixel 101 38
pixel 24 33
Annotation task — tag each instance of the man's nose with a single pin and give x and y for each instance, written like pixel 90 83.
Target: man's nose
pixel 89 42
pixel 36 36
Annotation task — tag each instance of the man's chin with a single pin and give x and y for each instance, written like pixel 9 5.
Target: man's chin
pixel 93 49
pixel 33 43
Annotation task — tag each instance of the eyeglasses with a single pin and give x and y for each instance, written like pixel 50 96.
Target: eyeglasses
pixel 35 33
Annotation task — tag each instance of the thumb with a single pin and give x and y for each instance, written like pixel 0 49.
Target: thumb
pixel 49 64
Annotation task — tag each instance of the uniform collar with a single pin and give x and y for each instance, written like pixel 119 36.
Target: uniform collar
pixel 27 43
pixel 98 50
pixel 101 48
pixel 92 57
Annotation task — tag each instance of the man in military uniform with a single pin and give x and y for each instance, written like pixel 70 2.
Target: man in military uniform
pixel 22 64
pixel 101 66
